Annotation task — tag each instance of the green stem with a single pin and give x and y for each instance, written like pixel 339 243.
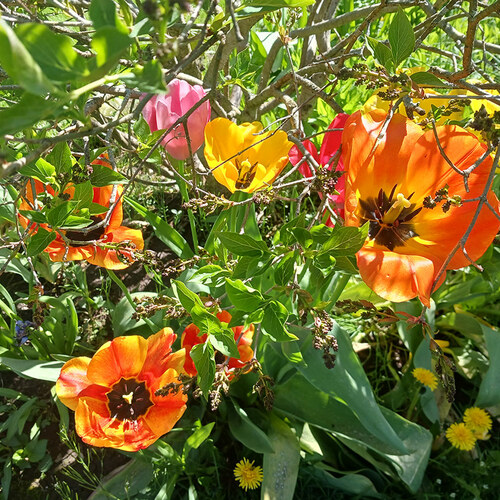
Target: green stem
pixel 413 403
pixel 185 198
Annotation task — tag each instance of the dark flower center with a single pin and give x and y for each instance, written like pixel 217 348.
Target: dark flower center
pixel 246 174
pixel 128 399
pixel 389 218
pixel 84 236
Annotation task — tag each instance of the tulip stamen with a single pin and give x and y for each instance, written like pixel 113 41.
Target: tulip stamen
pixel 128 399
pixel 389 218
pixel 396 208
pixel 246 174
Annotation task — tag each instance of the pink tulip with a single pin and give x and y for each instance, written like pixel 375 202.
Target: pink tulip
pixel 330 145
pixel 162 111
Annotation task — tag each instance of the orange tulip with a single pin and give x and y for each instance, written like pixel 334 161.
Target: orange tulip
pixel 98 250
pixel 191 336
pixel 113 393
pixel 388 175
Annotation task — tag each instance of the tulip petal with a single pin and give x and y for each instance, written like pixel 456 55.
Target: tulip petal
pixel 122 358
pixel 72 380
pixel 158 353
pixel 108 258
pixel 397 277
pixel 333 140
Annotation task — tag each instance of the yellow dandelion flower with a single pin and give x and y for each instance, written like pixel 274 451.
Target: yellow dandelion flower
pixel 248 475
pixel 425 377
pixel 461 437
pixel 477 420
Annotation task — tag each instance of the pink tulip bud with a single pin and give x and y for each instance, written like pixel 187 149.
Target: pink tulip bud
pixel 162 111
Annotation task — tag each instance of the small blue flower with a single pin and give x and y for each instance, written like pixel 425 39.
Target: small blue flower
pixel 22 331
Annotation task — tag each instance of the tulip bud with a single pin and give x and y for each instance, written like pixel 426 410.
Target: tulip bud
pixel 162 111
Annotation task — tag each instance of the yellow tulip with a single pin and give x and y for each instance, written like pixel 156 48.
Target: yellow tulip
pixel 241 157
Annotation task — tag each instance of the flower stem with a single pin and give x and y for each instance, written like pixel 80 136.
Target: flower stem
pixel 185 198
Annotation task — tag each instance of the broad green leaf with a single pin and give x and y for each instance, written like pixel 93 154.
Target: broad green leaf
pixel 299 399
pixel 61 158
pixel 163 231
pixel 109 44
pixel 283 271
pixel 40 370
pixel 83 195
pixel 303 236
pixel 20 65
pixel 125 481
pixel 28 111
pixel 104 176
pixel 382 53
pixel 348 382
pixel 40 241
pixel 196 439
pixel 8 195
pixel 489 390
pixel 345 240
pixel 57 215
pixel 424 78
pixel 103 13
pixel 243 297
pixel 76 222
pixel 242 244
pixel 277 484
pixel 34 216
pixel 42 170
pixel 53 52
pixel 401 37
pixel 203 358
pixel 273 322
pixel 245 431
pixel 186 297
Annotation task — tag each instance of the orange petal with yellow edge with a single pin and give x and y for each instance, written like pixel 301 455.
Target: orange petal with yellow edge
pixel 72 380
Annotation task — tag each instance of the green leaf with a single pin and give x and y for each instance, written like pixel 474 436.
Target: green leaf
pixel 76 222
pixel 42 170
pixel 245 431
pixel 34 216
pixel 382 53
pixel 303 236
pixel 28 111
pixel 347 382
pixel 196 439
pixel 424 78
pixel 186 297
pixel 104 176
pixel 53 52
pixel 401 37
pixel 83 195
pixel 57 215
pixel 203 358
pixel 109 44
pixel 126 481
pixel 273 322
pixel 286 457
pixel 283 271
pixel 40 370
pixel 40 241
pixel 345 240
pixel 61 158
pixel 164 231
pixel 20 65
pixel 147 78
pixel 242 244
pixel 243 297
pixel 103 13
pixel 489 390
